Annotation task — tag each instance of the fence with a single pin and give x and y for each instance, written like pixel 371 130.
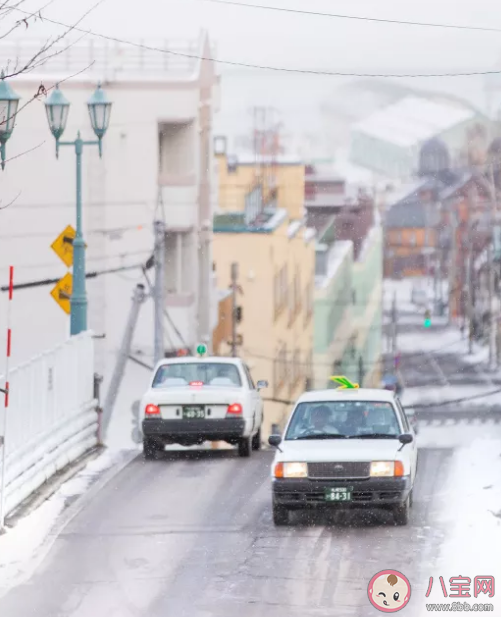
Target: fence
pixel 162 59
pixel 52 416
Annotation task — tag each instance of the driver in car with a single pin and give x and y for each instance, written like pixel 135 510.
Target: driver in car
pixel 320 420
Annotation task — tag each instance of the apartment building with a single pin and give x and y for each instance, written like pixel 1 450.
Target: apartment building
pixel 245 178
pixel 276 262
pixel 157 162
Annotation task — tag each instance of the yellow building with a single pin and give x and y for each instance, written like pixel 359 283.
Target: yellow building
pixel 276 263
pixel 282 182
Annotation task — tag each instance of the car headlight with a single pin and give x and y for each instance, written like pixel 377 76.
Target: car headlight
pixel 386 469
pixel 291 470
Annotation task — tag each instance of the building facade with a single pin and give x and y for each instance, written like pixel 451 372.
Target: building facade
pixel 157 163
pixel 276 262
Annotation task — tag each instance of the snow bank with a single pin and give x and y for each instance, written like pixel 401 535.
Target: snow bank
pixel 472 515
pixel 426 395
pixel 22 546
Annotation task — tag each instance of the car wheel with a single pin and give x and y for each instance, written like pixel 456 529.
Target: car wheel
pixel 245 447
pixel 150 448
pixel 411 498
pixel 256 440
pixel 401 513
pixel 280 516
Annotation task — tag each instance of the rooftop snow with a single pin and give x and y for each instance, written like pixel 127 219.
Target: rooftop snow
pixel 412 121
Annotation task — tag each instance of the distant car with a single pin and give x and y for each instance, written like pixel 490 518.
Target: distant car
pixel 352 448
pixel 196 399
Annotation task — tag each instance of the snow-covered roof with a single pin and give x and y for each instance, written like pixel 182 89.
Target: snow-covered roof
pixel 413 120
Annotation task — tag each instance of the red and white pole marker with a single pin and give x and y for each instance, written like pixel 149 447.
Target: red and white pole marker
pixel 3 441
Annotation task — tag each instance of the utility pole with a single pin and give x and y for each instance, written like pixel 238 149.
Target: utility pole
pixel 234 289
pixel 452 266
pixel 469 268
pixel 493 313
pixel 394 323
pixel 159 290
pixel 116 379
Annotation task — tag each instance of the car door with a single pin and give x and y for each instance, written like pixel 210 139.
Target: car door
pixel 257 403
pixel 409 429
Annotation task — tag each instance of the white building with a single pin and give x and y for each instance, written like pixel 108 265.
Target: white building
pixel 157 155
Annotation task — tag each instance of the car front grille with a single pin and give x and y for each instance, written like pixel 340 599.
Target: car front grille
pixel 338 470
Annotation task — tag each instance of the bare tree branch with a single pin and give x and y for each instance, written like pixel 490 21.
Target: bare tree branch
pixel 44 53
pixel 13 158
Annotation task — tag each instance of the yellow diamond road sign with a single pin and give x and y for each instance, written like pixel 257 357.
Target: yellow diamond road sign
pixel 62 292
pixel 63 246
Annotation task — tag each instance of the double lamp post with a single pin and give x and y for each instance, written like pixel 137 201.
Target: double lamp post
pixel 57 108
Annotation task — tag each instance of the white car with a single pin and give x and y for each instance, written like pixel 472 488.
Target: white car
pixel 345 448
pixel 195 399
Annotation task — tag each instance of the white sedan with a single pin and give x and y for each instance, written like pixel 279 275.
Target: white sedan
pixel 196 399
pixel 345 448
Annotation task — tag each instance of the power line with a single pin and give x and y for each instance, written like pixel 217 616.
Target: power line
pixel 261 66
pixel 89 275
pixel 356 17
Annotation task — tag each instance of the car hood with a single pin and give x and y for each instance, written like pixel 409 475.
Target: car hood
pixel 339 450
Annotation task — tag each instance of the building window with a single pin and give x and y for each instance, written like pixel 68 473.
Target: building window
pixel 412 238
pixel 280 291
pixel 280 369
pixel 308 302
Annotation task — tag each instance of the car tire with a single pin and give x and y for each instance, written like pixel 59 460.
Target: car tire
pixel 256 440
pixel 280 516
pixel 401 513
pixel 150 448
pixel 245 447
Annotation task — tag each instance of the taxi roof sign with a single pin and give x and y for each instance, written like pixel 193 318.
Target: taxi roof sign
pixel 345 383
pixel 201 349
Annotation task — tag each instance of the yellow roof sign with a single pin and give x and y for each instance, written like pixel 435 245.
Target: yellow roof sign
pixel 62 292
pixel 344 383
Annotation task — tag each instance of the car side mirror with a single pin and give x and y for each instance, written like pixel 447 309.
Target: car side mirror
pixel 405 438
pixel 275 440
pixel 262 383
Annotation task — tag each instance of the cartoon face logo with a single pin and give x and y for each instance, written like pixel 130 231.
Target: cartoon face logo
pixel 389 591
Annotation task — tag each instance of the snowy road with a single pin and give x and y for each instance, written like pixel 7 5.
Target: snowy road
pixel 191 535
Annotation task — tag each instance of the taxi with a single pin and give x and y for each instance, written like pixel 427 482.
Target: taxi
pixel 346 448
pixel 192 400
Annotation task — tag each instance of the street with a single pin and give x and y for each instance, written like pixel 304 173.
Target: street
pixel 191 535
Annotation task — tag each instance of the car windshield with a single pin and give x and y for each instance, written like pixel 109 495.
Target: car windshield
pixel 177 374
pixel 343 420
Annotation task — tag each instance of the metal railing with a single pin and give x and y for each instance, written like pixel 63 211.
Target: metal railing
pixel 107 60
pixel 52 416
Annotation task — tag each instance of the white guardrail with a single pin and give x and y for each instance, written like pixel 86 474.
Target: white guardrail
pixel 52 416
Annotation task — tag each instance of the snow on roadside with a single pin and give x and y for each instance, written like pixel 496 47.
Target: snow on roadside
pixel 20 545
pixel 426 395
pixel 472 514
pixel 444 341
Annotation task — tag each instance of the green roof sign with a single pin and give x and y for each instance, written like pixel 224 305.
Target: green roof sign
pixel 201 349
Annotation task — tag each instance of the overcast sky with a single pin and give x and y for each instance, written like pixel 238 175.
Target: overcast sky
pixel 269 37
pixel 280 39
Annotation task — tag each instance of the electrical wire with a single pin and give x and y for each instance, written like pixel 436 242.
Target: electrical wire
pixel 261 66
pixel 88 275
pixel 355 17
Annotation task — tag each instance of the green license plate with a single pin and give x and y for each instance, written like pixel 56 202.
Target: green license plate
pixel 337 494
pixel 193 413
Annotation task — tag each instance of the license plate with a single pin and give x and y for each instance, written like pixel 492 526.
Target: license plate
pixel 193 413
pixel 337 494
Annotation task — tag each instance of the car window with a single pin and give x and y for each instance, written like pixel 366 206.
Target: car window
pixel 347 418
pixel 178 374
pixel 405 420
pixel 249 377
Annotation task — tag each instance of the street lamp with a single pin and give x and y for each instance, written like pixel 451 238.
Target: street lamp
pixel 57 108
pixel 9 102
